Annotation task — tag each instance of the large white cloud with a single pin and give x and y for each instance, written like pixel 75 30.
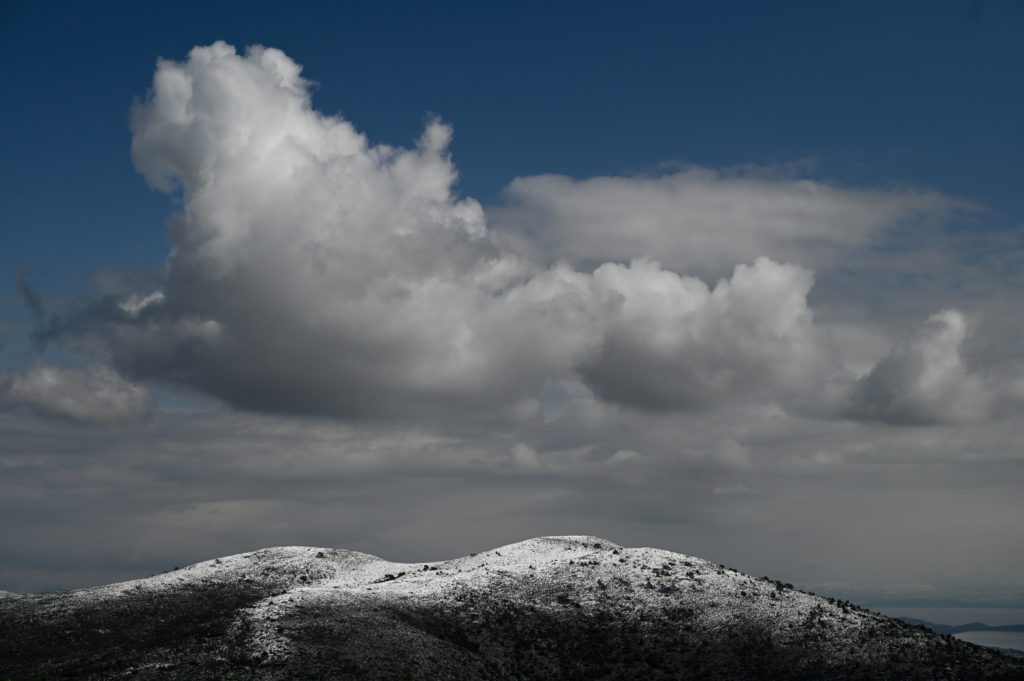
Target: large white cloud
pixel 314 272
pixel 94 394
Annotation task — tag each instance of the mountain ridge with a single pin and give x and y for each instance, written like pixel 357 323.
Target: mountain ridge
pixel 573 607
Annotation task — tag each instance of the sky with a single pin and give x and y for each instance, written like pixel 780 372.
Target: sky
pixel 732 279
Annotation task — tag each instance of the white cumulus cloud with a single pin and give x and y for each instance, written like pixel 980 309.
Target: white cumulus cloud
pixel 315 272
pixel 671 342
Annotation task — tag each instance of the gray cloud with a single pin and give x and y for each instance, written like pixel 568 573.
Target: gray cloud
pixel 928 379
pixel 804 500
pixel 94 394
pixel 924 380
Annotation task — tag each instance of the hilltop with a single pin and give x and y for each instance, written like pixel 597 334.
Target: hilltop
pixel 549 608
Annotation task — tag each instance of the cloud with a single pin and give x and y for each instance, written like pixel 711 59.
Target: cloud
pixel 93 394
pixel 925 379
pixel 705 221
pixel 313 272
pixel 87 506
pixel 524 456
pixel 673 343
pixel 739 489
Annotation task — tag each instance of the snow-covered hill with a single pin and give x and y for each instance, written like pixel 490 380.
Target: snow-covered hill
pixel 554 607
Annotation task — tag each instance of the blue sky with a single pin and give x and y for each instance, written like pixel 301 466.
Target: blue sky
pixel 734 279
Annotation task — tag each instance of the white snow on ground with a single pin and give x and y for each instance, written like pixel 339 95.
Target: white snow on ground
pixel 551 571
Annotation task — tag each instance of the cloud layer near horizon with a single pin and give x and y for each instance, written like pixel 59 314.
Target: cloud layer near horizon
pixel 803 500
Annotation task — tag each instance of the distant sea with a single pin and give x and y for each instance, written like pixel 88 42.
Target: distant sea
pixel 995 639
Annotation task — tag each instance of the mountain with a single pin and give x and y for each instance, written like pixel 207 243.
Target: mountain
pixel 548 608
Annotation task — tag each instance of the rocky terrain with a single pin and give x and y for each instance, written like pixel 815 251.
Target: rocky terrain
pixel 547 608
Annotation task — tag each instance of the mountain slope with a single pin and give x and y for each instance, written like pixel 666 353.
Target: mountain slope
pixel 554 607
